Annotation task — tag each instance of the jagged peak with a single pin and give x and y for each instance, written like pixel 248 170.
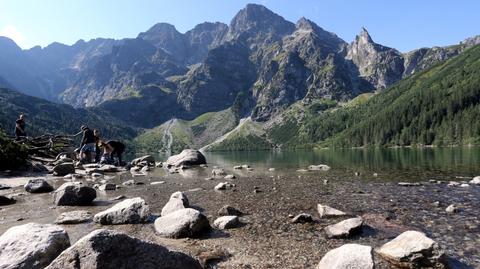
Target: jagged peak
pixel 161 27
pixel 364 36
pixel 256 13
pixel 304 23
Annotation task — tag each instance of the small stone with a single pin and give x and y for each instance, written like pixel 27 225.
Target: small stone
pixel 408 184
pixel 182 223
pixel 229 211
pixel 452 209
pixel 328 212
pixel 245 166
pixel 218 172
pixel 453 184
pixel 130 211
pixel 375 174
pixel 108 187
pixel 320 167
pixel 120 197
pixel 229 177
pixel 271 169
pixel 238 167
pixel 224 186
pixel 302 218
pixel 344 228
pixel 71 194
pixel 38 185
pixel 226 222
pixel 464 185
pixel 475 181
pixel 157 182
pixel 74 217
pixel 96 175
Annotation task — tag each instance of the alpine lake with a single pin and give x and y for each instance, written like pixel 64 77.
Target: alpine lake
pixel 362 182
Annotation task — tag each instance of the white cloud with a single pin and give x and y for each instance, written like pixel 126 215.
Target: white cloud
pixel 11 32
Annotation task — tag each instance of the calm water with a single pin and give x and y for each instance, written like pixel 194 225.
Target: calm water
pixel 404 163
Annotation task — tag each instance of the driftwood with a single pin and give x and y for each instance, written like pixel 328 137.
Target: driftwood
pixel 47 148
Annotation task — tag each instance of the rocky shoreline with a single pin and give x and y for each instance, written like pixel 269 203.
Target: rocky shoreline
pixel 263 218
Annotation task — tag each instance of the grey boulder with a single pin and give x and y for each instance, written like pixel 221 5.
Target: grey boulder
pixel 38 185
pixel 177 201
pixel 71 194
pixel 345 228
pixel 182 223
pixel 149 159
pixel 63 169
pixel 32 246
pixel 349 256
pixel 186 157
pixel 115 250
pixel 129 211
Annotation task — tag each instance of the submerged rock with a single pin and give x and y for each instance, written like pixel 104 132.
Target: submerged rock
pixel 349 256
pixel 113 250
pixel 226 222
pixel 182 223
pixel 329 212
pixel 413 249
pixel 129 211
pixel 71 194
pixel 345 228
pixel 38 185
pixel 186 157
pixel 32 245
pixel 74 217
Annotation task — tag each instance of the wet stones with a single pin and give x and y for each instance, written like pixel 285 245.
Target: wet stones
pixel 70 194
pixel 224 186
pixel 345 229
pixel 182 223
pixel 129 211
pixel 177 201
pixel 113 249
pixel 38 185
pixel 63 169
pixel 226 222
pixel 74 217
pixel 349 256
pixel 229 211
pixel 32 246
pixel 218 172
pixel 324 211
pixel 186 157
pixel 149 159
pixel 412 249
pixel 302 218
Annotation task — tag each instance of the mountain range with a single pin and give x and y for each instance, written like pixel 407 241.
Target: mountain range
pixel 260 68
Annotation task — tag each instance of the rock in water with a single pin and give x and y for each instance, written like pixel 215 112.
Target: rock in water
pixel 74 195
pixel 38 185
pixel 344 228
pixel 413 249
pixel 178 200
pixel 113 250
pixel 63 169
pixel 148 158
pixel 6 200
pixel 229 211
pixel 328 212
pixel 74 217
pixel 182 223
pixel 32 246
pixel 132 211
pixel 186 157
pixel 227 222
pixel 349 256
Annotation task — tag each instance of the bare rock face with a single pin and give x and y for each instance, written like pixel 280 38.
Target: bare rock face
pixel 413 249
pixel 344 228
pixel 70 194
pixel 182 223
pixel 113 250
pixel 186 157
pixel 129 211
pixel 349 256
pixel 31 246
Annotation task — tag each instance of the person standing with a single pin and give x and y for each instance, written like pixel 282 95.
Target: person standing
pixel 20 127
pixel 87 147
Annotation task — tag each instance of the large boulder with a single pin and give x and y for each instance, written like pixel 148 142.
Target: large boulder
pixel 149 159
pixel 38 185
pixel 132 211
pixel 32 246
pixel 114 250
pixel 186 157
pixel 349 256
pixel 345 228
pixel 63 169
pixel 74 217
pixel 182 223
pixel 178 200
pixel 71 194
pixel 413 249
pixel 6 200
pixel 324 211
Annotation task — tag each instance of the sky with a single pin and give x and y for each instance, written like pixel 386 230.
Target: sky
pixel 404 25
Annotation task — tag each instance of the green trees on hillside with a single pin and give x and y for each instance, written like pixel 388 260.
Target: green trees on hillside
pixel 12 155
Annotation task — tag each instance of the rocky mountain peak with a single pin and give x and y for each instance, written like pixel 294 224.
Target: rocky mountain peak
pixel 364 37
pixel 7 45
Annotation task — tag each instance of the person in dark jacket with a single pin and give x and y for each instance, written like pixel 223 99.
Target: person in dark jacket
pixel 98 142
pixel 20 127
pixel 87 146
pixel 118 149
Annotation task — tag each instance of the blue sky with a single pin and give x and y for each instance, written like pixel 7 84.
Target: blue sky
pixel 405 25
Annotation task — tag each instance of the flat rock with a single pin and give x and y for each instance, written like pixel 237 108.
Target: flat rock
pixel 344 228
pixel 226 222
pixel 186 157
pixel 157 182
pixel 113 250
pixel 329 212
pixel 63 169
pixel 38 185
pixel 129 211
pixel 182 223
pixel 302 218
pixel 320 167
pixel 74 217
pixel 412 249
pixel 32 246
pixel 4 200
pixel 71 194
pixel 229 211
pixel 349 256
